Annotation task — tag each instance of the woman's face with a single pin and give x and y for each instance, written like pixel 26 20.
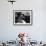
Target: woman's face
pixel 20 18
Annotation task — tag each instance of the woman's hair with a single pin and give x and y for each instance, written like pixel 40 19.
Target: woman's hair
pixel 18 14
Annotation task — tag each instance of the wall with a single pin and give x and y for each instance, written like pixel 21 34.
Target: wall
pixel 37 31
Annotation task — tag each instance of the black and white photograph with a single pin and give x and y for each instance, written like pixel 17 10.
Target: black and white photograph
pixel 22 17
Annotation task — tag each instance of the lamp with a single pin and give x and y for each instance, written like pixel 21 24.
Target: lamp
pixel 12 1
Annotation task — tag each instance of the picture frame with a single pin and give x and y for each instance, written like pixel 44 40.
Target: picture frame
pixel 22 17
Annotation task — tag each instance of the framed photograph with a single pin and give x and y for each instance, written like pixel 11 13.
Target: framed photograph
pixel 22 17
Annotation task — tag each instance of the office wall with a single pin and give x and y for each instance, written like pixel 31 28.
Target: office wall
pixel 38 29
